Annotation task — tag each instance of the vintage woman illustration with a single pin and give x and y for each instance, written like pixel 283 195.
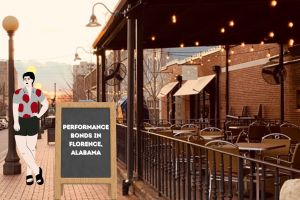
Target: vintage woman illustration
pixel 26 124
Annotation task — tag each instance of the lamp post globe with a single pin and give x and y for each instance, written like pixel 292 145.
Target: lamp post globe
pixel 10 23
pixel 12 163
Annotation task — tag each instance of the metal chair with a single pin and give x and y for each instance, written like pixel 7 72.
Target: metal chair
pixel 274 128
pixel 257 130
pixel 162 124
pixel 189 126
pixel 276 138
pixel 226 147
pixel 293 132
pixel 178 151
pixel 232 134
pixel 176 127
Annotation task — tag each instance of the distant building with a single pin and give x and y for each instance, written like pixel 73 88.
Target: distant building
pixel 4 86
pixel 79 72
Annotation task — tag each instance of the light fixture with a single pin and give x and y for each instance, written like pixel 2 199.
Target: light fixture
pixel 252 49
pixel 231 23
pixel 269 54
pixel 93 19
pixel 291 42
pixel 291 24
pixel 229 59
pixel 271 34
pixel 262 42
pixel 200 56
pixel 197 43
pixel 122 50
pixel 155 57
pixel 181 45
pixel 222 49
pixel 174 19
pixel 76 54
pixel 208 60
pixel 243 44
pixel 168 56
pixel 153 38
pixel 273 3
pixel 232 51
pixel 222 30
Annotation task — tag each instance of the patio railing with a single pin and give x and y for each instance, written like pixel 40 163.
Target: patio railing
pixel 187 180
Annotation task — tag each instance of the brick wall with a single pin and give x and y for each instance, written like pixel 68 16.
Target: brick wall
pixel 247 86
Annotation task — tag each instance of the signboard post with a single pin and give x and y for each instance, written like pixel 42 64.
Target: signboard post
pixel 85 145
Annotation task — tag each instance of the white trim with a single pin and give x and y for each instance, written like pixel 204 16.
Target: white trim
pixel 246 64
pixel 196 56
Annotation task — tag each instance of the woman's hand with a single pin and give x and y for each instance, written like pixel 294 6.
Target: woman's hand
pixel 16 126
pixel 37 115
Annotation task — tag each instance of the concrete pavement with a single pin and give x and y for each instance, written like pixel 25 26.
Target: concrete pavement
pixel 14 186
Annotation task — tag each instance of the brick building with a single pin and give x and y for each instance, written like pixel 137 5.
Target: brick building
pixel 246 84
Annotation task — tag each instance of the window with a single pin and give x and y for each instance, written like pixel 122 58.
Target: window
pixel 297 99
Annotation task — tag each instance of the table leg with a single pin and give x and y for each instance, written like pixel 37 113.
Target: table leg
pixel 257 181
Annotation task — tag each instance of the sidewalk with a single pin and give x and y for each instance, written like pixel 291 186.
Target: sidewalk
pixel 14 186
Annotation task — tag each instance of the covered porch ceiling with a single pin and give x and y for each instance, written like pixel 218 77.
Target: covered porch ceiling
pixel 202 20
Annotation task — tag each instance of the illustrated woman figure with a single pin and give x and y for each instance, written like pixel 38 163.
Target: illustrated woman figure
pixel 26 124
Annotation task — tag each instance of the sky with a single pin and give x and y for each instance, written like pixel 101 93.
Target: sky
pixel 49 33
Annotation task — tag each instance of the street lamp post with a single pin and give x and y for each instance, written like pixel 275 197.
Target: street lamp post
pixel 12 165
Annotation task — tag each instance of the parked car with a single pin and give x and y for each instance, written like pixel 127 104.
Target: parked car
pixel 49 122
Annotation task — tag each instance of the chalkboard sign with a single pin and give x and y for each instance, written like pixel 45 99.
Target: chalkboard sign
pixel 85 145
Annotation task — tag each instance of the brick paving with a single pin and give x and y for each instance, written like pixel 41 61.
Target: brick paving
pixel 14 186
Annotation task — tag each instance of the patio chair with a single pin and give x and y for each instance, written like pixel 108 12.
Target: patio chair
pixel 211 131
pixel 189 126
pixel 197 139
pixel 179 148
pixel 176 127
pixel 162 124
pixel 293 132
pixel 146 124
pixel 294 164
pixel 226 147
pixel 232 134
pixel 256 131
pixel 274 128
pixel 276 138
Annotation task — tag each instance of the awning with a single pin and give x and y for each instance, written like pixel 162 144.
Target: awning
pixel 194 86
pixel 166 89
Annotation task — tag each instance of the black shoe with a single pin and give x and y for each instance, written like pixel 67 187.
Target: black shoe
pixel 29 177
pixel 39 177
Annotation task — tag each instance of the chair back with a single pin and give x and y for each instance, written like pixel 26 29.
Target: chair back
pixel 296 157
pixel 292 132
pixel 189 126
pixel 195 129
pixel 211 131
pixel 164 124
pixel 226 147
pixel 287 124
pixel 276 138
pixel 146 124
pixel 274 129
pixel 256 132
pixel 197 140
pixel 243 137
pixel 176 127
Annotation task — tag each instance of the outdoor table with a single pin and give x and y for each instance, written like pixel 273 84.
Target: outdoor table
pixel 155 127
pixel 238 127
pixel 252 147
pixel 178 132
pixel 212 137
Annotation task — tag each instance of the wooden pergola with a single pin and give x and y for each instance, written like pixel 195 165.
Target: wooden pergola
pixel 149 24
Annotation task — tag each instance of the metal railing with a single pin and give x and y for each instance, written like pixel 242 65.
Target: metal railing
pixel 191 181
